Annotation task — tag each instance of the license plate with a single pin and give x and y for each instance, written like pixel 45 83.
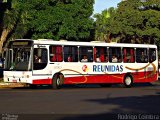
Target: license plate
pixel 15 81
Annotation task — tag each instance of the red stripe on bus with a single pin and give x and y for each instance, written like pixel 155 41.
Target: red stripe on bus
pixel 42 81
pixel 114 78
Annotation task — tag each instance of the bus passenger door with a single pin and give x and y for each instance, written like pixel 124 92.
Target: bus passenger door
pixel 40 61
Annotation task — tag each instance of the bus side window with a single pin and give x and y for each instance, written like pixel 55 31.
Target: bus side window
pixel 40 58
pixel 141 55
pixel 56 53
pixel 100 54
pixel 128 55
pixel 115 54
pixel 70 53
pixel 86 54
pixel 52 53
pixel 152 54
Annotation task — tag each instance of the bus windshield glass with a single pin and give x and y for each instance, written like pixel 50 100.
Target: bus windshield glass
pixel 18 56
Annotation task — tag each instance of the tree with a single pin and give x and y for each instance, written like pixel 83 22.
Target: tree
pixel 68 19
pixel 14 22
pixel 48 19
pixel 134 22
pixel 138 21
pixel 102 24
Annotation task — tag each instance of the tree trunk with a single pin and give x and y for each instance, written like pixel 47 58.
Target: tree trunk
pixel 3 38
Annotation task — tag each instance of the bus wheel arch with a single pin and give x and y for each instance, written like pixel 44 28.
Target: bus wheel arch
pixel 57 80
pixel 128 80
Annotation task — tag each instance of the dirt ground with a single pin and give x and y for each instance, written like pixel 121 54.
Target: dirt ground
pixel 10 85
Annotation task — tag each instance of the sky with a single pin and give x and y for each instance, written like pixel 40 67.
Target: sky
pixel 101 5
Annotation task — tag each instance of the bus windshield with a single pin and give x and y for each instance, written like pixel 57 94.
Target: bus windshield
pixel 18 56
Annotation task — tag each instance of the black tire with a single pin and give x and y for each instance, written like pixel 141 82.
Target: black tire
pixel 57 81
pixel 128 81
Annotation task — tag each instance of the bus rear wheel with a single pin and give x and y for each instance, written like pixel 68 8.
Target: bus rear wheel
pixel 128 81
pixel 57 81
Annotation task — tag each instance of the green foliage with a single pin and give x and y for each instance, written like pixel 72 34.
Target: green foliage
pixel 15 21
pixel 102 24
pixel 134 21
pixel 49 19
pixel 61 19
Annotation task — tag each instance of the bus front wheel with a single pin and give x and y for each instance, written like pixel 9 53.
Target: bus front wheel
pixel 128 81
pixel 57 81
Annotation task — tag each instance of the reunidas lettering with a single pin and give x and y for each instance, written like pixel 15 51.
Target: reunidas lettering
pixel 107 68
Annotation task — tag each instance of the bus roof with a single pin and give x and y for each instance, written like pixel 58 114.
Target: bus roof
pixel 92 43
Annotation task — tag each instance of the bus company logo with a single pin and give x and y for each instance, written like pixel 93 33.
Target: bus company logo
pixel 107 68
pixel 85 68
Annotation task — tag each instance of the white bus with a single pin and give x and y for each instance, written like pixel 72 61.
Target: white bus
pixel 48 62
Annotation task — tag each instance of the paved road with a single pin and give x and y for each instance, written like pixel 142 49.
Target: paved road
pixel 80 101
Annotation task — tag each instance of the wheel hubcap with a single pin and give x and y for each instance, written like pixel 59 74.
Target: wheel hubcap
pixel 58 81
pixel 128 80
